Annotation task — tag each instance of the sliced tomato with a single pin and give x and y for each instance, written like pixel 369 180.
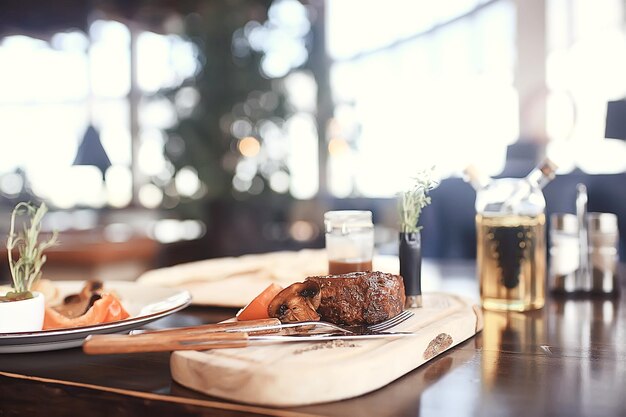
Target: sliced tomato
pixel 257 308
pixel 116 311
pixel 105 310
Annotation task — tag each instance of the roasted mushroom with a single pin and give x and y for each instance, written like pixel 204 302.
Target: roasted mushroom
pixel 298 302
pixel 75 305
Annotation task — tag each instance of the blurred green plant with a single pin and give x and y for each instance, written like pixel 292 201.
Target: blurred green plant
pixel 412 201
pixel 26 270
pixel 226 83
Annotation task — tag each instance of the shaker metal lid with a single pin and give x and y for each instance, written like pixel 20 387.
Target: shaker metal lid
pixel 602 222
pixel 565 222
pixel 345 220
pixel 597 223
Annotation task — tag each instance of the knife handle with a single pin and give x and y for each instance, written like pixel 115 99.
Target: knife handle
pixel 155 342
pixel 263 325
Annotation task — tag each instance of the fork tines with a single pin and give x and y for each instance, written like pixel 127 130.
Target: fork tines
pixel 394 321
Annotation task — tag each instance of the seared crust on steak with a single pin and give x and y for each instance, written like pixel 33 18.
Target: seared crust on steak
pixel 360 298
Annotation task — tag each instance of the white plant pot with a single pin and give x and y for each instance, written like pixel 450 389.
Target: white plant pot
pixel 23 315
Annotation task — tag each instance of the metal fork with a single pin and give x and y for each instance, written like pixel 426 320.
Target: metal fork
pixel 379 327
pixel 274 325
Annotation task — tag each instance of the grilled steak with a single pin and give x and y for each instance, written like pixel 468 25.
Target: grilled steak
pixel 360 298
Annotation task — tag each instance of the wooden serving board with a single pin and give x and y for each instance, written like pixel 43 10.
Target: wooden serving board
pixel 295 374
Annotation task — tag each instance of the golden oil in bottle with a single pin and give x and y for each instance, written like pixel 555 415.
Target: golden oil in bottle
pixel 511 261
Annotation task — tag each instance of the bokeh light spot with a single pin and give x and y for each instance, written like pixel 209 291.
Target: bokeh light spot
pixel 337 147
pixel 302 231
pixel 249 146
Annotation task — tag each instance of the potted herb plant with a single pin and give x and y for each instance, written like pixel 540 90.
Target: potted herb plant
pixel 410 205
pixel 22 310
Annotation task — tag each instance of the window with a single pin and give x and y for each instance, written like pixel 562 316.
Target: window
pixel 87 81
pixel 586 64
pixel 417 85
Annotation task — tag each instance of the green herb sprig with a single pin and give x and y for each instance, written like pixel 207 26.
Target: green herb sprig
pixel 412 201
pixel 26 270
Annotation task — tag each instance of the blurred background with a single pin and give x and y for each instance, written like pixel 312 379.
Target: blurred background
pixel 167 131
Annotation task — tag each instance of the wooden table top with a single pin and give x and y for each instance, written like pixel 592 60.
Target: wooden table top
pixel 568 359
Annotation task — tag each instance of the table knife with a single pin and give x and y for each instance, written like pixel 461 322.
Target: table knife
pixel 155 342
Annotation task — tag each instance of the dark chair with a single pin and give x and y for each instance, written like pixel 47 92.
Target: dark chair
pixel 449 230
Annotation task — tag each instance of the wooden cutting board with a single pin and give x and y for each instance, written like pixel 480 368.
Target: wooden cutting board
pixel 295 374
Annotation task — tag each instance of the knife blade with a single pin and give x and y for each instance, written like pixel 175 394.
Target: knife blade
pixel 261 326
pixel 316 337
pixel 250 326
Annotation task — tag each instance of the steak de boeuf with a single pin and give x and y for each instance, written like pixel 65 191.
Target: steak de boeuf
pixel 360 298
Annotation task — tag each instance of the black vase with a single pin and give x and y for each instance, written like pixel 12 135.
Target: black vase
pixel 410 253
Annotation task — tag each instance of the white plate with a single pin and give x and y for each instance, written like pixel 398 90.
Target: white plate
pixel 144 304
